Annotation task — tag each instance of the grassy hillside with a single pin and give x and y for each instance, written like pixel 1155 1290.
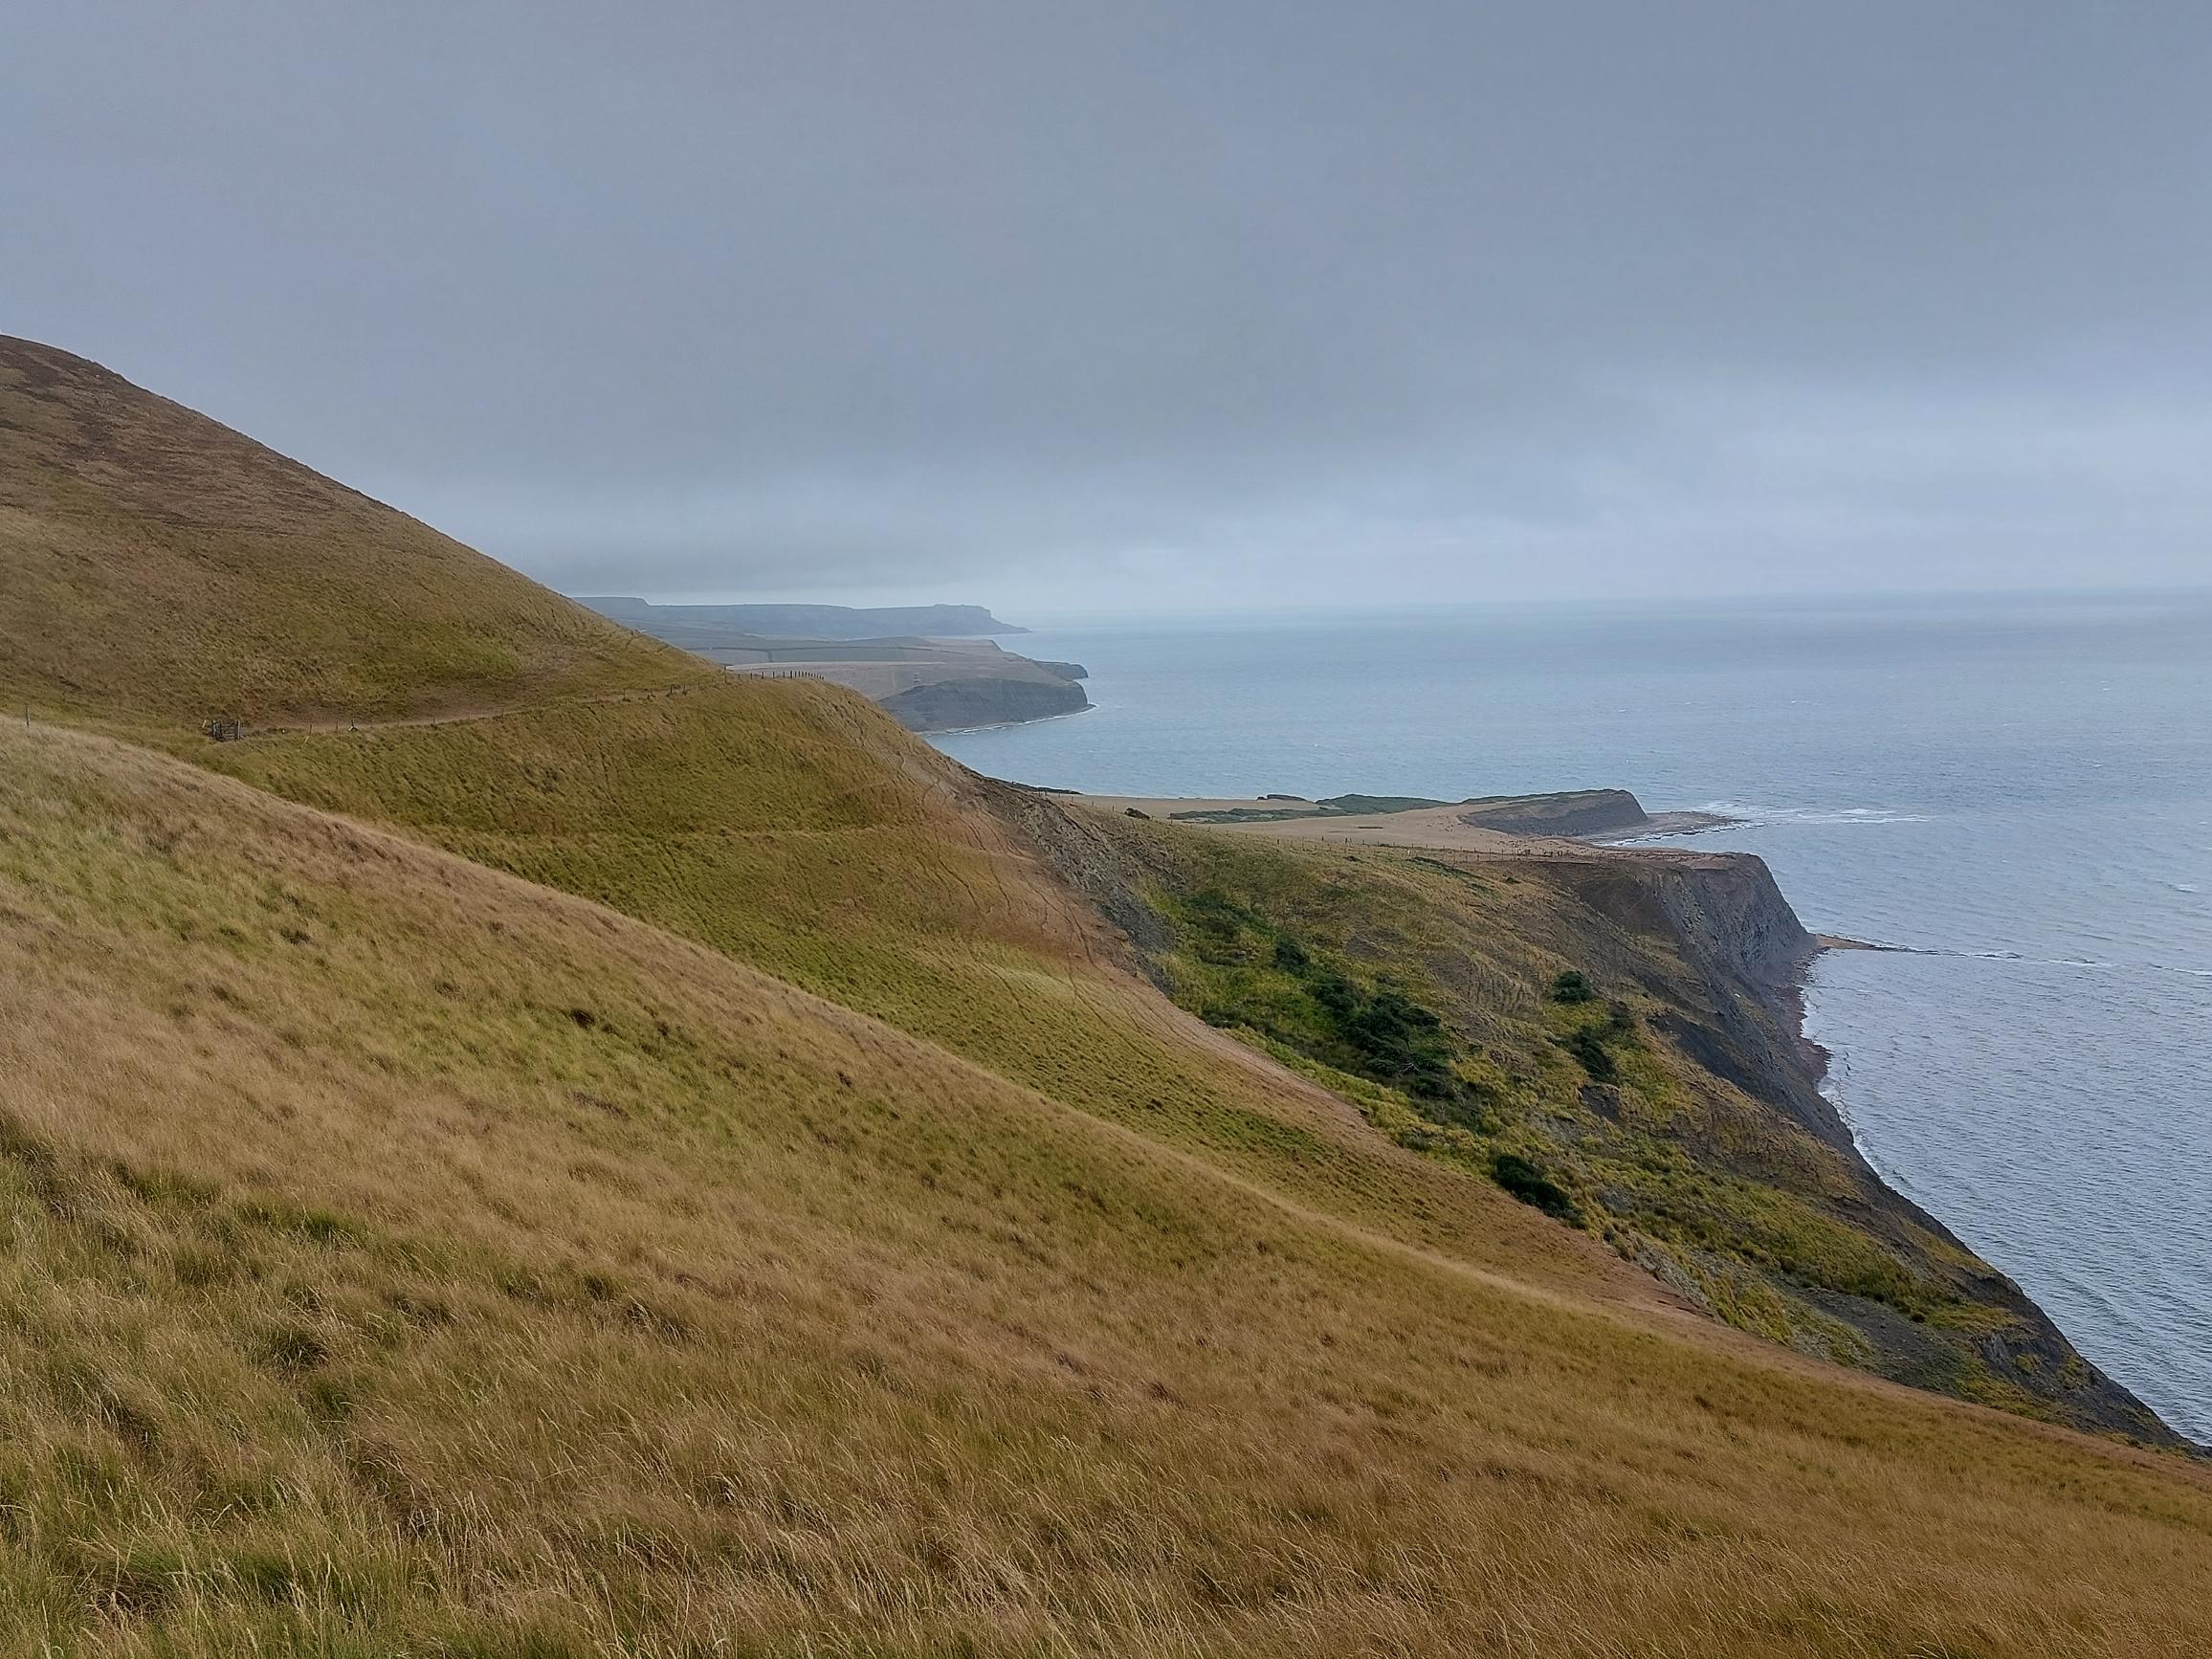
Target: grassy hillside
pixel 677 1166
pixel 797 829
pixel 159 569
pixel 496 1275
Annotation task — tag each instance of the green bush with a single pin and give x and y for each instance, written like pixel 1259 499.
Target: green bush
pixel 1571 985
pixel 1529 1184
pixel 1402 1042
pixel 1589 1048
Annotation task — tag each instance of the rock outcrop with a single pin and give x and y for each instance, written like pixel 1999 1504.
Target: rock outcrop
pixel 1572 812
pixel 979 700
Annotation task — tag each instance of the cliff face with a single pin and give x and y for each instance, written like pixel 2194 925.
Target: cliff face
pixel 1732 919
pixel 1730 924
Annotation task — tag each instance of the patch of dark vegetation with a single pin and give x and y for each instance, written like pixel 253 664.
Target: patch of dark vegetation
pixel 315 1224
pixel 1589 1047
pixel 1398 1040
pixel 1526 1181
pixel 1455 871
pixel 1273 982
pixel 292 1349
pixel 1571 985
pixel 35 1166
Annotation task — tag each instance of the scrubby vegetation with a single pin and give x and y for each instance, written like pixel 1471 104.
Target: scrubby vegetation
pixel 1499 1062
pixel 1532 1186
pixel 1265 979
pixel 1587 1045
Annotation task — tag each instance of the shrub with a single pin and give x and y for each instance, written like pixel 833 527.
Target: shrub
pixel 1588 1047
pixel 1529 1184
pixel 1219 928
pixel 1335 993
pixel 1402 1042
pixel 1571 985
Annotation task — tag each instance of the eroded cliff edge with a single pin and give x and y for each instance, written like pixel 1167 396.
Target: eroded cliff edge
pixel 1670 1106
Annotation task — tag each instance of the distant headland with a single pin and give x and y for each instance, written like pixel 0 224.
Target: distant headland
pixel 933 668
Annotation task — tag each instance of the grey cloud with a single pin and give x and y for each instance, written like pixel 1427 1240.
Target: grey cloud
pixel 1155 304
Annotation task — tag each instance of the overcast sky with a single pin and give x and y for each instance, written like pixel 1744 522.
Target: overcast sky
pixel 1114 306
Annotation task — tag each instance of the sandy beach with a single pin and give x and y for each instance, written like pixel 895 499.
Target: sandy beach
pixel 1440 827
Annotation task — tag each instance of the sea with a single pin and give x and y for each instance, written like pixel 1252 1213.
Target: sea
pixel 2014 793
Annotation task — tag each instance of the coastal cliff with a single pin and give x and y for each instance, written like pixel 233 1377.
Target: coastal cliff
pixel 1726 919
pixel 1614 1034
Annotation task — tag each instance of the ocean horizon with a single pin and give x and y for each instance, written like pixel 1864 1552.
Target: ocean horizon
pixel 2015 792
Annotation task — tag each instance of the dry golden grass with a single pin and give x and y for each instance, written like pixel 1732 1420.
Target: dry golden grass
pixel 796 827
pixel 407 1259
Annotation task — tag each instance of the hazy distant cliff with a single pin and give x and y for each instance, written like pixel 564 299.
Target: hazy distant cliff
pixel 809 621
